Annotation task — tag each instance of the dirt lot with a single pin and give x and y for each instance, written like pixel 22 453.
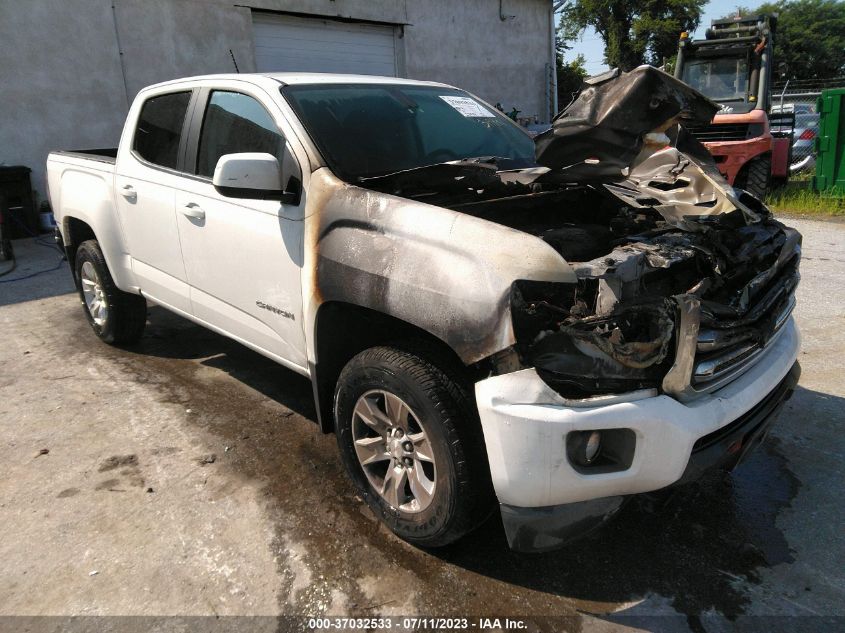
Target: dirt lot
pixel 185 477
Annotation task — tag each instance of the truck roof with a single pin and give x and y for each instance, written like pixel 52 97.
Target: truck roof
pixel 290 78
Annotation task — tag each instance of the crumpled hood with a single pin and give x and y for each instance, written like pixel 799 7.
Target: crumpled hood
pixel 680 187
pixel 626 132
pixel 600 134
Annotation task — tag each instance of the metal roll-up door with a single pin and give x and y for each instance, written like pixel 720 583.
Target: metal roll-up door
pixel 294 44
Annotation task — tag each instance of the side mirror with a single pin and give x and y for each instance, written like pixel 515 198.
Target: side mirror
pixel 257 176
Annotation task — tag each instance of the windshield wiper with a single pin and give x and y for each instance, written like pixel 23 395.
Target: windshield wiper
pixel 449 168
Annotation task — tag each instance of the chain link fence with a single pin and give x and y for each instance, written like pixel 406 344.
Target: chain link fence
pixel 794 114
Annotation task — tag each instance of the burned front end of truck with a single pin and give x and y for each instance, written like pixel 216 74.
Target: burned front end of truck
pixel 679 310
pixel 664 348
pixel 683 286
pixel 682 281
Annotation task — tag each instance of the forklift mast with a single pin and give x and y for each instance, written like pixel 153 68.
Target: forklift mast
pixel 733 65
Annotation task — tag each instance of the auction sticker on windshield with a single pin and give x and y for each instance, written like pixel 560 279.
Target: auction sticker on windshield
pixel 468 107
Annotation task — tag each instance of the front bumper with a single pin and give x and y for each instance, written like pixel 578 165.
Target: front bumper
pixel 525 425
pixel 726 447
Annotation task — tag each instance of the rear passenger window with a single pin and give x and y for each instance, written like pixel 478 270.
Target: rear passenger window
pixel 160 128
pixel 235 123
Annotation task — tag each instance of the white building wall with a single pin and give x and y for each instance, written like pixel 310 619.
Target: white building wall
pixel 65 84
pixel 60 80
pixel 465 43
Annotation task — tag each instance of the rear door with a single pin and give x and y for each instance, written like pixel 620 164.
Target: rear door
pixel 147 174
pixel 243 258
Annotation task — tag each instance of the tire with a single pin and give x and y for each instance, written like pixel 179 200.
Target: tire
pixel 116 317
pixel 441 411
pixel 754 177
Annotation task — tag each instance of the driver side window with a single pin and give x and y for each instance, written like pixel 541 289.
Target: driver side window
pixel 235 123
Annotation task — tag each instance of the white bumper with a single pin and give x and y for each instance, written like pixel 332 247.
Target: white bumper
pixel 525 425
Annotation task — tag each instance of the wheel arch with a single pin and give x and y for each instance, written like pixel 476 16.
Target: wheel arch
pixel 84 200
pixel 342 330
pixel 74 232
pixel 761 156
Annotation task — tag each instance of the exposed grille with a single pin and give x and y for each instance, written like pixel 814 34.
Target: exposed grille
pixel 723 353
pixel 720 132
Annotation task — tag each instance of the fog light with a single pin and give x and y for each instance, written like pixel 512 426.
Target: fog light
pixel 597 452
pixel 591 450
pixel 584 447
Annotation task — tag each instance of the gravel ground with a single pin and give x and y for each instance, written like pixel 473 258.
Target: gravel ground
pixel 184 476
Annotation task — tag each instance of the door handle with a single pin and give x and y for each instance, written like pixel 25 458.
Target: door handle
pixel 128 192
pixel 193 210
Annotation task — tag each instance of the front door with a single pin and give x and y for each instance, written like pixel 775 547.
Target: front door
pixel 243 258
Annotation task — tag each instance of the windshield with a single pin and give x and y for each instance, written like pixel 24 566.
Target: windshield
pixel 366 130
pixel 720 79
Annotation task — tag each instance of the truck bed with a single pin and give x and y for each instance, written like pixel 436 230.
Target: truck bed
pixel 83 180
pixel 103 155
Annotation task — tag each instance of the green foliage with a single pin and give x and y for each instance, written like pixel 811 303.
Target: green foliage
pixel 634 31
pixel 810 38
pixel 798 199
pixel 570 76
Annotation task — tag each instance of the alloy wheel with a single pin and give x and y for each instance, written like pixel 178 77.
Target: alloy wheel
pixel 92 291
pixel 394 451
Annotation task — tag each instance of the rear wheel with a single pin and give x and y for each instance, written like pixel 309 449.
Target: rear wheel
pixel 754 177
pixel 410 439
pixel 114 315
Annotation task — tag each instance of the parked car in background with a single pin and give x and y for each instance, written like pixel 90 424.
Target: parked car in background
pixel 793 108
pixel 804 142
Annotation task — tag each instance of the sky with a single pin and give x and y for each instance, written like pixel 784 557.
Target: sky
pixel 592 47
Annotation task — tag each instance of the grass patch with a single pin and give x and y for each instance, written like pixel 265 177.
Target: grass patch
pixel 799 198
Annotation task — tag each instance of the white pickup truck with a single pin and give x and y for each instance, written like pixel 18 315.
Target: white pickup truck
pixel 554 324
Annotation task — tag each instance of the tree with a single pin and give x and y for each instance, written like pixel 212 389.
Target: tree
pixel 810 38
pixel 570 75
pixel 634 31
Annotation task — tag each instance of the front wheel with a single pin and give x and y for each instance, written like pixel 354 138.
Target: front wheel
pixel 409 437
pixel 755 176
pixel 115 316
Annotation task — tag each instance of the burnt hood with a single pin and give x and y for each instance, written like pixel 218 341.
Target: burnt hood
pixel 627 132
pixel 624 133
pixel 603 131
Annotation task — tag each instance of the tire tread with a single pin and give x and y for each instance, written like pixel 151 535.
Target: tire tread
pixel 458 417
pixel 128 311
pixel 755 177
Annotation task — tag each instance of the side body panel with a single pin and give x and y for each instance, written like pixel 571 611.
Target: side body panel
pixel 83 189
pixel 781 153
pixel 244 257
pixel 150 223
pixel 243 266
pixel 145 203
pixel 445 272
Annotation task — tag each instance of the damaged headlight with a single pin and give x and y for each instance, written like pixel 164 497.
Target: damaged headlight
pixel 581 354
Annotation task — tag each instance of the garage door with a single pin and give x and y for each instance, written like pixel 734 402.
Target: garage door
pixel 285 43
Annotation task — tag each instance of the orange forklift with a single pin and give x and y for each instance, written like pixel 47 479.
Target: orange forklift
pixel 733 67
